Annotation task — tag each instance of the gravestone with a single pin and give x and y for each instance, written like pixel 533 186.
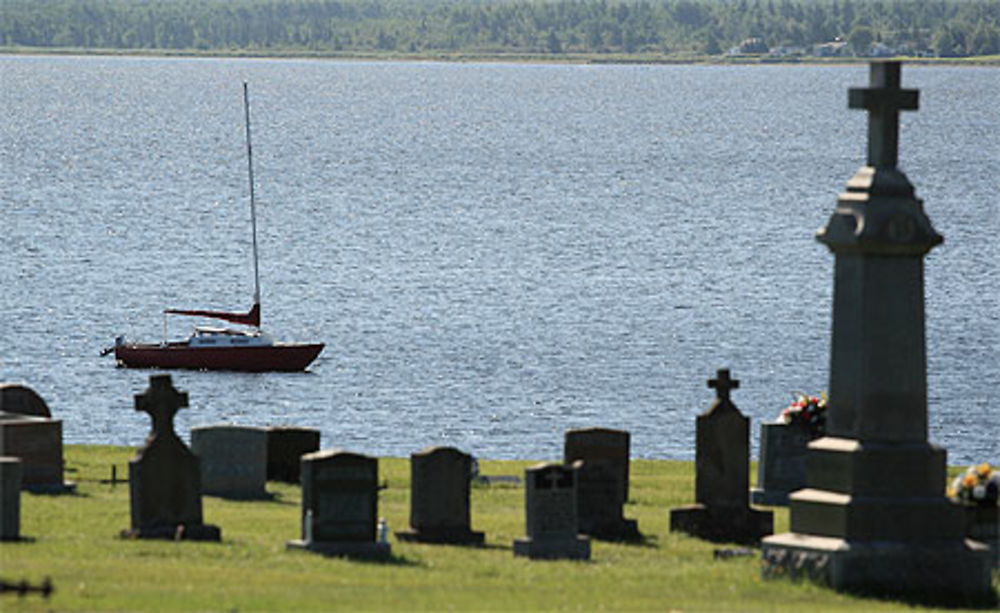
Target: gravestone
pixel 439 498
pixel 602 481
pixel 722 463
pixel 782 466
pixel 550 515
pixel 10 498
pixel 164 478
pixel 27 431
pixel 285 447
pixel 233 460
pixel 340 505
pixel 873 516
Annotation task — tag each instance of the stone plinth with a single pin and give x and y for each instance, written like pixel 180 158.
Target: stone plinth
pixel 439 498
pixel 873 517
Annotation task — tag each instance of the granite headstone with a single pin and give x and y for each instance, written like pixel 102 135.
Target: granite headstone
pixel 550 515
pixel 233 460
pixel 439 498
pixel 10 498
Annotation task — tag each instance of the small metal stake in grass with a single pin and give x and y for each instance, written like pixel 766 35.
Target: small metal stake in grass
pixel 22 588
pixel 114 480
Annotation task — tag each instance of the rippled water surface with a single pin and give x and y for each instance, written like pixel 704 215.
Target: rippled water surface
pixel 492 253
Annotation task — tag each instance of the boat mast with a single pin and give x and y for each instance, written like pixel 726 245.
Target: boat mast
pixel 253 208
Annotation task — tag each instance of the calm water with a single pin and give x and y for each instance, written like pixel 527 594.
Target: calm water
pixel 492 253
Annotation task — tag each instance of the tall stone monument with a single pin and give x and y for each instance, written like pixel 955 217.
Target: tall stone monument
pixel 164 478
pixel 722 474
pixel 873 516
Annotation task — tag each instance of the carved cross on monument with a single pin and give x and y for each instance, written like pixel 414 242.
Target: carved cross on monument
pixel 162 401
pixel 884 100
pixel 722 384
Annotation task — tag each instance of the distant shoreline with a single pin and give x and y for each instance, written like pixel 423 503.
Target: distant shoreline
pixel 499 58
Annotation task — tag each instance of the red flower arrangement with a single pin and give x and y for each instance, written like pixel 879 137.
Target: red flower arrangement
pixel 807 410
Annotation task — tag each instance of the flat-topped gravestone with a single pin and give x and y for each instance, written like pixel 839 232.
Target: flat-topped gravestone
pixel 27 431
pixel 340 505
pixel 233 460
pixel 873 516
pixel 285 447
pixel 439 498
pixel 165 477
pixel 602 481
pixel 722 464
pixel 550 515
pixel 782 466
pixel 10 498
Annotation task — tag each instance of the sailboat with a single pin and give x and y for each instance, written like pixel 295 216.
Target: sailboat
pixel 217 348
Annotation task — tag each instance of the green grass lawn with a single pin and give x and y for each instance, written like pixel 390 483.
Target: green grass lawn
pixel 76 544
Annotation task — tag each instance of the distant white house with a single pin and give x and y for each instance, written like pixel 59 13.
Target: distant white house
pixel 834 48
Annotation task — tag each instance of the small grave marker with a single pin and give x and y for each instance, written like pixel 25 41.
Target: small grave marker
pixel 602 481
pixel 550 515
pixel 285 447
pixel 340 506
pixel 233 460
pixel 10 498
pixel 439 498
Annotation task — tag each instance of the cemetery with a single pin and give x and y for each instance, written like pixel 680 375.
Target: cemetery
pixel 848 507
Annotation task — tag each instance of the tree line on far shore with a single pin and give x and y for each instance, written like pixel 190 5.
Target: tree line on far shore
pixel 947 28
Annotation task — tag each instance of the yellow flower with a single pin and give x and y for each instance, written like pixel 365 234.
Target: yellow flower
pixel 983 470
pixel 969 481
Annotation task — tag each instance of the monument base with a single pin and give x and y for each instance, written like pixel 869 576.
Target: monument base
pixel 723 524
pixel 451 536
pixel 180 532
pixel 368 550
pixel 577 548
pixel 941 570
pixel 771 498
pixel 622 530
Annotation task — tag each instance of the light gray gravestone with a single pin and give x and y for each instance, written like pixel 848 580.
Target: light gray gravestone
pixel 782 466
pixel 285 447
pixel 27 431
pixel 439 498
pixel 550 515
pixel 873 516
pixel 164 477
pixel 233 460
pixel 722 510
pixel 10 498
pixel 602 481
pixel 340 505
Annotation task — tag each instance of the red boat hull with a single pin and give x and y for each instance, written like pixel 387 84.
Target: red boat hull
pixel 284 357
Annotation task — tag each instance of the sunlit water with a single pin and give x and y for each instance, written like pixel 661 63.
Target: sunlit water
pixel 492 253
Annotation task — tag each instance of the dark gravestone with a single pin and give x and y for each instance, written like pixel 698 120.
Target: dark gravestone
pixel 550 515
pixel 27 431
pixel 164 477
pixel 873 516
pixel 10 498
pixel 285 447
pixel 602 481
pixel 439 498
pixel 722 463
pixel 782 466
pixel 340 505
pixel 15 398
pixel 233 460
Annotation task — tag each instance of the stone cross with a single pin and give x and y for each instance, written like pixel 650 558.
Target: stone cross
pixel 162 401
pixel 722 384
pixel 884 100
